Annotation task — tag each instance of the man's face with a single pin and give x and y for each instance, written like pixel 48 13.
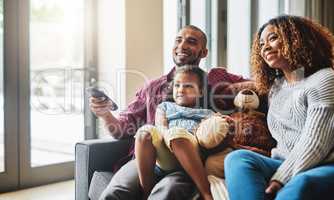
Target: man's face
pixel 188 48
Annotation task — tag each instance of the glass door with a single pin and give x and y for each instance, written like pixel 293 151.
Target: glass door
pixel 52 89
pixel 56 79
pixel 43 62
pixel 9 162
pixel 2 135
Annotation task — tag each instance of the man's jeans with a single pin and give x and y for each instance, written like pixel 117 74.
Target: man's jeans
pixel 125 186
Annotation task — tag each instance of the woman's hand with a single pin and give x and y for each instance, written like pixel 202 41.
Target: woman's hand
pixel 273 188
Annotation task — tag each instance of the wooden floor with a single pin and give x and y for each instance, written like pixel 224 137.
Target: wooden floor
pixel 56 191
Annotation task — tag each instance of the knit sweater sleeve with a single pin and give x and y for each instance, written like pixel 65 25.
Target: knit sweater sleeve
pixel 316 140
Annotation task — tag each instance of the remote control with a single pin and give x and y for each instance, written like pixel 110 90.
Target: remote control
pixel 96 93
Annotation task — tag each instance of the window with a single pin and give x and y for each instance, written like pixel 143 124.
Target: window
pixel 244 17
pixel 56 76
pixel 200 16
pixel 238 36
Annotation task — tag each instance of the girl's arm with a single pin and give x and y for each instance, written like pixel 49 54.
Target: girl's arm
pixel 160 118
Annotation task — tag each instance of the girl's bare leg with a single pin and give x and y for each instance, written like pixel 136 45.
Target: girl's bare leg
pixel 145 157
pixel 190 160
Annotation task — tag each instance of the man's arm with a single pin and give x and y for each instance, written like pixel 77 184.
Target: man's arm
pixel 224 87
pixel 232 82
pixel 129 120
pixel 101 108
pixel 219 75
pixel 237 87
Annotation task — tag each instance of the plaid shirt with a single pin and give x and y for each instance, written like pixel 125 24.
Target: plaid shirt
pixel 142 109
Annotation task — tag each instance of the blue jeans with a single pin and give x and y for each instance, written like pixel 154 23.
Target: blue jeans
pixel 248 173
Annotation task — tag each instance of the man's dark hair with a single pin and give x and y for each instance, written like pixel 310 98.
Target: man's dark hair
pixel 195 28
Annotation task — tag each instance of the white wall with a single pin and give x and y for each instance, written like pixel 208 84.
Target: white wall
pixel 144 43
pixel 130 45
pixel 169 32
pixel 111 46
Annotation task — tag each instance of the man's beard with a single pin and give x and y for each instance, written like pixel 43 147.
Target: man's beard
pixel 194 61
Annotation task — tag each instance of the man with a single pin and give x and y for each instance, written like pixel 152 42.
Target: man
pixel 189 48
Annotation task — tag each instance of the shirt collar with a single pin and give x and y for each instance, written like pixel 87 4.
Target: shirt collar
pixel 170 74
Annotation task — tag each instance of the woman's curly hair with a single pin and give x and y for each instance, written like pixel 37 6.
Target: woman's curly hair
pixel 305 44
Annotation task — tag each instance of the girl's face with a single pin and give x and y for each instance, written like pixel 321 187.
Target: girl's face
pixel 271 46
pixel 186 90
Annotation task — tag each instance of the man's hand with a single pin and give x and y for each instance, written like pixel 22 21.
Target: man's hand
pixel 273 188
pixel 100 107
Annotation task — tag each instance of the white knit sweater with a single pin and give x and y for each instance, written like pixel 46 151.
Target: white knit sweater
pixel 301 119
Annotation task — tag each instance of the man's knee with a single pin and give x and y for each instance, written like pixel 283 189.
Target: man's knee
pixel 176 186
pixel 124 184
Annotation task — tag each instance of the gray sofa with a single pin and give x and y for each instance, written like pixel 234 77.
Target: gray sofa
pixel 94 161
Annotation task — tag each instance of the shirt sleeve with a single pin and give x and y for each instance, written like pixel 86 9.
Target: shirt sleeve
pixel 135 114
pixel 316 140
pixel 219 74
pixel 219 79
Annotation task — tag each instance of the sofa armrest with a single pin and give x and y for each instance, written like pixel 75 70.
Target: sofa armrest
pixel 92 155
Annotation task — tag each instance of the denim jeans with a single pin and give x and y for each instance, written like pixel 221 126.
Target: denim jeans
pixel 248 174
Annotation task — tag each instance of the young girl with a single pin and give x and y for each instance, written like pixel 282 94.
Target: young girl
pixel 161 148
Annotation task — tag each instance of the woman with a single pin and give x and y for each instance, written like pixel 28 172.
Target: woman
pixel 292 59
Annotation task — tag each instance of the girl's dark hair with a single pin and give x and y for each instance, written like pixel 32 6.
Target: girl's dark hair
pixel 305 44
pixel 203 84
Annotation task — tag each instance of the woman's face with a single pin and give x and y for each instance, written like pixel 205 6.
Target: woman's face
pixel 271 46
pixel 186 91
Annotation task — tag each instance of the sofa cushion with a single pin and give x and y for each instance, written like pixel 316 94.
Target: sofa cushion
pixel 99 182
